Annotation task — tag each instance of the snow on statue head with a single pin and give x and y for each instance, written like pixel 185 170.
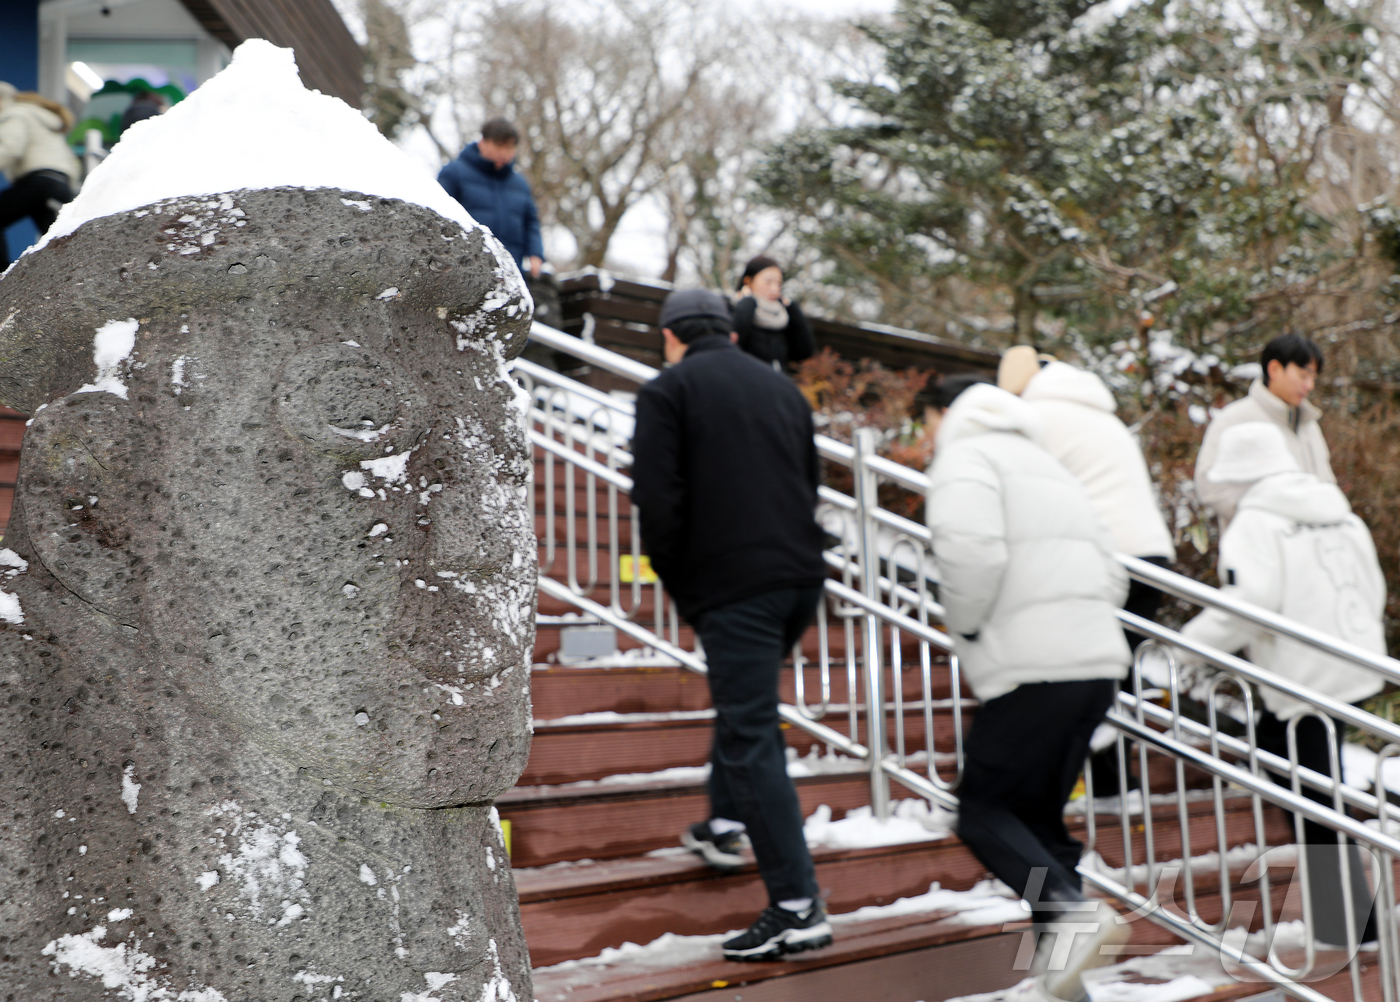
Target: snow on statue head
pixel 266 601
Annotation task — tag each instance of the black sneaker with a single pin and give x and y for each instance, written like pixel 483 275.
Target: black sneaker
pixel 778 931
pixel 720 851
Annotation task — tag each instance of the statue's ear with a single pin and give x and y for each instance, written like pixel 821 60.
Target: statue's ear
pixel 81 502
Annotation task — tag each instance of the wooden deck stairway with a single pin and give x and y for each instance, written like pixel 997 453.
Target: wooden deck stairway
pixel 614 776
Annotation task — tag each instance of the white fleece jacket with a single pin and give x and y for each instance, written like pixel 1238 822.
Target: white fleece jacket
pixel 1082 431
pixel 1026 571
pixel 1294 547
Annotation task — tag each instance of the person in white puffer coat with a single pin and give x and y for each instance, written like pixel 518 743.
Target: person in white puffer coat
pixel 1295 547
pixel 1030 589
pixel 1082 430
pixel 35 159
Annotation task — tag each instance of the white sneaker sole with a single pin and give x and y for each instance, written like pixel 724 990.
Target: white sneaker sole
pixel 787 941
pixel 711 853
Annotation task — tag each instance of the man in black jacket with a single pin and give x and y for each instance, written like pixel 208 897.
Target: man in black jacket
pixel 726 476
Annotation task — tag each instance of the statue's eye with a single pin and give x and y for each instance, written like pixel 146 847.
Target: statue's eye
pixel 344 398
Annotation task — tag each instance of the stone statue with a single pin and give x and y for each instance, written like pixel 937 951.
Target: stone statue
pixel 266 607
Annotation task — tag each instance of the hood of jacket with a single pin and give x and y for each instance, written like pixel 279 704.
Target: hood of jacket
pixel 1059 381
pixel 471 155
pixel 984 408
pixel 1298 497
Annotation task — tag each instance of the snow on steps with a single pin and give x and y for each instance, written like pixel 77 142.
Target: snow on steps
pixel 574 910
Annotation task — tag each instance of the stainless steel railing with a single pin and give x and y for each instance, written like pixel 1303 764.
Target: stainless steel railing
pixel 877 639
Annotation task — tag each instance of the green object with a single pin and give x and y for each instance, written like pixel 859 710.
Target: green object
pixel 111 126
pixel 172 94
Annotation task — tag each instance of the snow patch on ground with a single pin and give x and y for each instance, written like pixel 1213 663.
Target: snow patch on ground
pixel 288 136
pixel 910 820
pixel 985 904
pixel 612 717
pixel 113 345
pixel 1359 768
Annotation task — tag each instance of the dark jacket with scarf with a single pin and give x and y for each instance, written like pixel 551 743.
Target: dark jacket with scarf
pixel 726 477
pixel 791 344
pixel 498 198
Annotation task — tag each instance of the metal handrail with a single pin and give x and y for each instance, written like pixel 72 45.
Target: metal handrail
pixel 915 480
pixel 881 610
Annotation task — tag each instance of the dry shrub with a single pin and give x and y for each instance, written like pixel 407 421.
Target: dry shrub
pixel 846 396
pixel 1170 441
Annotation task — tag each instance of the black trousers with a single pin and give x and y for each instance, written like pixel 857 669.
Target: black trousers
pixel 38 195
pixel 1324 862
pixel 1143 600
pixel 745 643
pixel 1021 761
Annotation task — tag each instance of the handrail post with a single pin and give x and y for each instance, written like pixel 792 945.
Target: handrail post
pixel 867 499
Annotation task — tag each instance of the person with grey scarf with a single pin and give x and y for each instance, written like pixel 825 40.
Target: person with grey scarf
pixel 770 327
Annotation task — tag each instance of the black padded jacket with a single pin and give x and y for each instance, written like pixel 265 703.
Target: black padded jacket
pixel 793 343
pixel 726 476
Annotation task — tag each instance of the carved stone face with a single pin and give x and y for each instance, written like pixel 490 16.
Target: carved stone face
pixel 312 503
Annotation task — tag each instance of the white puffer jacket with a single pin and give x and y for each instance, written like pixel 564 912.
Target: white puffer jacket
pixel 1026 571
pixel 33 138
pixel 1294 547
pixel 1082 431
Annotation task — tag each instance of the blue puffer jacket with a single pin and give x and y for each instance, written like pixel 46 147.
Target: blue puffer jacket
pixel 497 198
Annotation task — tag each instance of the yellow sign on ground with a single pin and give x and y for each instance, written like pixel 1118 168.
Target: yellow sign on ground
pixel 505 832
pixel 627 574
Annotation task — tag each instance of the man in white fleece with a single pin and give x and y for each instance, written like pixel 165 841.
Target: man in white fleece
pixel 1294 547
pixel 1030 590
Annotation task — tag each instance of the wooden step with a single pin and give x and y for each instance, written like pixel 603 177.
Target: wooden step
pixel 565 751
pixel 880 960
pixel 558 691
pixel 550 824
pixel 570 912
pixel 921 957
pixel 573 911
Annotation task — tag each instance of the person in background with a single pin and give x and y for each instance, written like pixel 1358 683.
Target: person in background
pixel 1082 431
pixel 1030 590
pixel 771 327
pixel 484 179
pixel 725 475
pixel 1291 364
pixel 1296 548
pixel 144 104
pixel 35 158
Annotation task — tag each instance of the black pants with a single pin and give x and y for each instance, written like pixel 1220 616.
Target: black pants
pixel 1324 863
pixel 745 643
pixel 38 195
pixel 1022 759
pixel 1143 600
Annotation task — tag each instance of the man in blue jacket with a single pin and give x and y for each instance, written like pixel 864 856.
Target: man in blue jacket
pixel 484 179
